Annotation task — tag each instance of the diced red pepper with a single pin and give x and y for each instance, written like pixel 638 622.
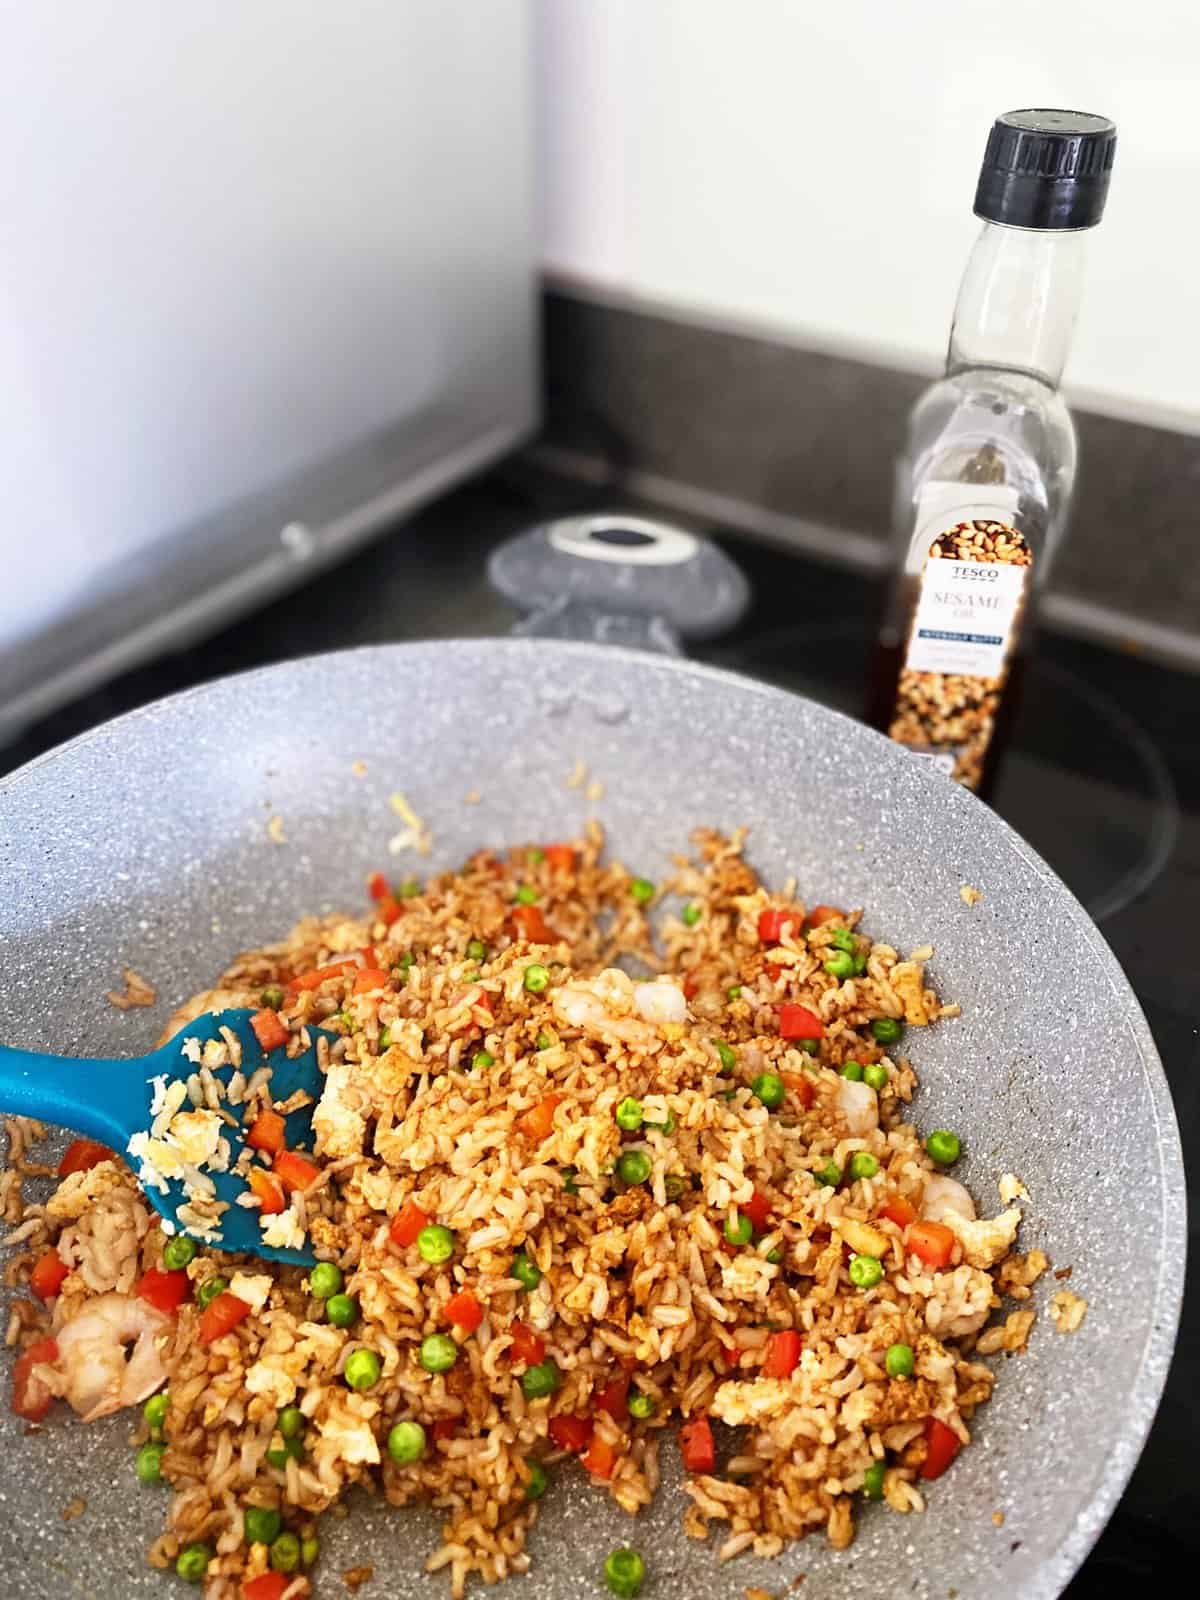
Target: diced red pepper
pixel 318 975
pixel 295 1171
pixel 571 1433
pixel 691 986
pixel 31 1398
pixel 932 1241
pixel 758 1209
pixel 464 1311
pixel 527 1347
pixel 48 1275
pixel 538 1123
pixel 221 1316
pixel 773 972
pixel 820 915
pixel 268 1029
pixel 267 1132
pixel 407 1224
pixel 802 1086
pixel 443 1428
pixel 614 1398
pixel 942 1444
pixel 774 920
pixel 899 1210
pixel 165 1291
pixel 81 1155
pixel 378 887
pixel 599 1458
pixel 532 925
pixel 731 1354
pixel 268 1192
pixel 798 1022
pixel 783 1354
pixel 389 910
pixel 267 1586
pixel 696 1445
pixel 561 857
pixel 368 979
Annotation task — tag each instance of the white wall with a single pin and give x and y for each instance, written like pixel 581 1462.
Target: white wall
pixel 808 167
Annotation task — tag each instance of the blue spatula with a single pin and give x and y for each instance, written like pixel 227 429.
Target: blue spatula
pixel 110 1101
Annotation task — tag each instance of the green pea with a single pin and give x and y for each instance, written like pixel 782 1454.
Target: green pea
pixel 569 1175
pixel 829 1176
pixel 860 963
pixel 542 1380
pixel 887 1030
pixel 536 855
pixel 727 1055
pixel 526 1271
pixel 862 1164
pixel 406 1443
pixel 261 1524
pixel 641 1406
pixel 385 1037
pixel 285 1553
pixel 840 965
pixel 873 1481
pixel 691 915
pixel 633 1167
pixel 943 1146
pixel 624 1573
pixel 811 1047
pixel 310 1549
pixel 738 1232
pixel 543 1040
pixel 438 1352
pixel 663 1127
pixel 875 1076
pixel 477 950
pixel 768 1088
pixel 775 1256
pixel 178 1251
pixel 629 1114
pixel 527 895
pixel 192 1562
pixel 865 1271
pixel 734 992
pixel 536 978
pixel 362 1370
pixel 324 1280
pixel 642 891
pixel 208 1291
pixel 148 1463
pixel 842 939
pixel 435 1244
pixel 408 890
pixel 538 1481
pixel 854 1071
pixel 483 1058
pixel 675 1185
pixel 343 1019
pixel 342 1310
pixel 291 1422
pixel 271 998
pixel 899 1361
pixel 291 1450
pixel 155 1410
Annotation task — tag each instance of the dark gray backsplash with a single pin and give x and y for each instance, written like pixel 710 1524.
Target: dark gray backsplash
pixel 798 447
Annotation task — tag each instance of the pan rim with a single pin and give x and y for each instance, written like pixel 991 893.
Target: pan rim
pixel 1145 1392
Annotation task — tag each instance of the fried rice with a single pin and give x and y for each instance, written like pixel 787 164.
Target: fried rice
pixel 716 1278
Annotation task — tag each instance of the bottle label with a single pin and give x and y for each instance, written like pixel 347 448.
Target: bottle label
pixel 970 600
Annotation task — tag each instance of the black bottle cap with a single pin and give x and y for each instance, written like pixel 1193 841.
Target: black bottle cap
pixel 1046 169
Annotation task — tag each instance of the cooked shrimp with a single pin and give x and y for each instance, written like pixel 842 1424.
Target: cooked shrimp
pixel 858 1105
pixel 660 1002
pixel 944 1195
pixel 601 1006
pixel 94 1371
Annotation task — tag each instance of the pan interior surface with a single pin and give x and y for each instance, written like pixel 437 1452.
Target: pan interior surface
pixel 208 823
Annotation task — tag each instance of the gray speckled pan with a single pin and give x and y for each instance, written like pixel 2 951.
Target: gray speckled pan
pixel 145 843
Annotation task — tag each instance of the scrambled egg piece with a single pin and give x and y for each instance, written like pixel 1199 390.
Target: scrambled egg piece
pixel 339 1122
pixel 986 1241
pixel 345 1433
pixel 283 1230
pixel 265 1379
pixel 253 1289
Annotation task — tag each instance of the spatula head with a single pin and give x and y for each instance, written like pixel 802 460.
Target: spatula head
pixel 179 1059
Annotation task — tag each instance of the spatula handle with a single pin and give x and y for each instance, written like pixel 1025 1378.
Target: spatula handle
pixel 72 1091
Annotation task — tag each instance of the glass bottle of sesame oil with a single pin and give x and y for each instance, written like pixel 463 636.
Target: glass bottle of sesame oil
pixel 984 483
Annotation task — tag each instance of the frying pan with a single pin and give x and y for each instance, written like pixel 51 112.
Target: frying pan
pixel 145 843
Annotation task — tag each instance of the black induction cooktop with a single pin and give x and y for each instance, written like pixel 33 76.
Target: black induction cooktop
pixel 1102 776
